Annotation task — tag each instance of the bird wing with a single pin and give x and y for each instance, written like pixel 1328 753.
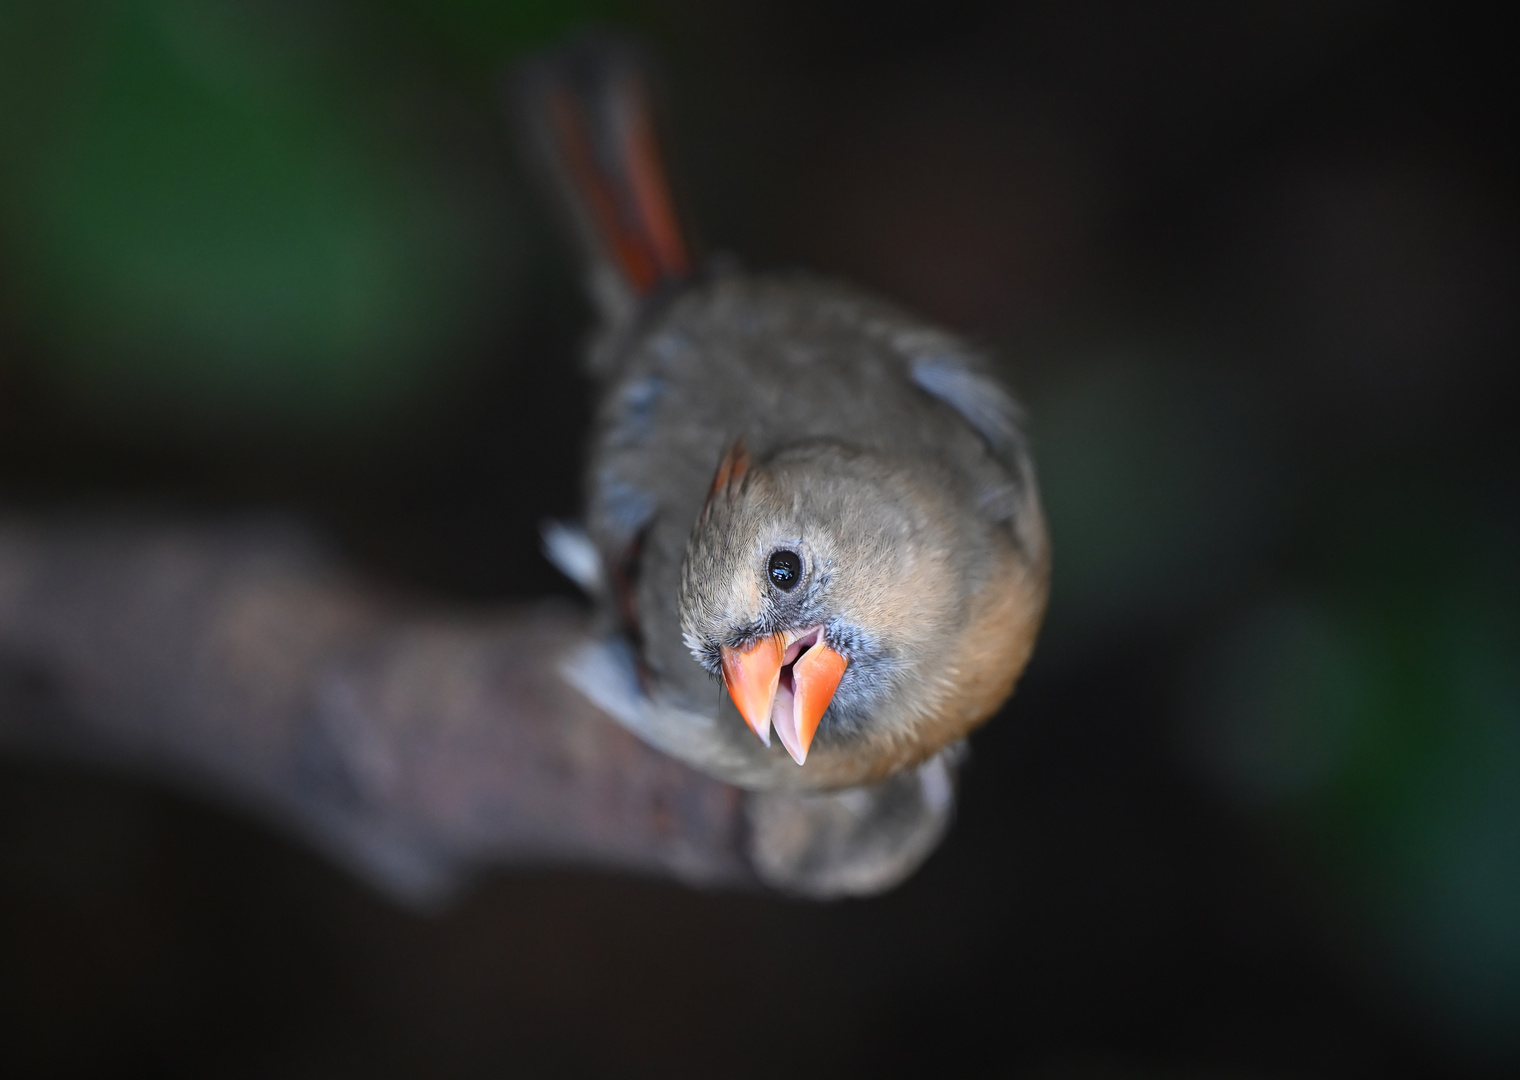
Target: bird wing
pixel 997 417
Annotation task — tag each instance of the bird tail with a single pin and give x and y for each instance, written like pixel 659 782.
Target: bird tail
pixel 588 112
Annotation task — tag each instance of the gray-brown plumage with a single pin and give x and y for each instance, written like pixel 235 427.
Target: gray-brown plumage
pixel 782 468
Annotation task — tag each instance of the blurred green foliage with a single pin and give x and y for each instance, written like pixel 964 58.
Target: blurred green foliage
pixel 213 210
pixel 1376 719
pixel 1365 705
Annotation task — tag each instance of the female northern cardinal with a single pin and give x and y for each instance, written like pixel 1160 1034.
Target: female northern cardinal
pixel 794 488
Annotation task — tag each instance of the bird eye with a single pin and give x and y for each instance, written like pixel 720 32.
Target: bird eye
pixel 785 570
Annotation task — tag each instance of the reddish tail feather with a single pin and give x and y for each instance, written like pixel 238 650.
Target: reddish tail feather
pixel 591 113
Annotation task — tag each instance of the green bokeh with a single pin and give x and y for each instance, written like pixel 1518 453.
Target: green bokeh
pixel 214 210
pixel 1376 721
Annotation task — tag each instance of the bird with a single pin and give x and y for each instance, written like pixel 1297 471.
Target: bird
pixel 812 521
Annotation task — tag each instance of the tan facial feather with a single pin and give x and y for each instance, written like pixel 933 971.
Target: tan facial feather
pixel 958 610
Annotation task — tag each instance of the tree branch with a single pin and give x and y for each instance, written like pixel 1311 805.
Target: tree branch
pixel 413 747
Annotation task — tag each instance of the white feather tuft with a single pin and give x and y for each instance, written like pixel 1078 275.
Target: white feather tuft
pixel 574 555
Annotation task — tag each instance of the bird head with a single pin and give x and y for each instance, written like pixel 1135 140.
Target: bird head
pixel 827 588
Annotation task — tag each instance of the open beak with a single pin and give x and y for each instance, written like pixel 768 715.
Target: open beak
pixel 785 681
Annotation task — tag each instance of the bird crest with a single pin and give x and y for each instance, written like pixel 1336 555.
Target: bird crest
pixel 732 468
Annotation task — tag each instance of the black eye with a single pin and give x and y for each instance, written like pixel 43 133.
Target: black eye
pixel 785 569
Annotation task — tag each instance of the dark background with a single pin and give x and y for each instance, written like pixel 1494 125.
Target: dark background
pixel 1255 809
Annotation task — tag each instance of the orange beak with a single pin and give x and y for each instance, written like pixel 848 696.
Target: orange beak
pixel 786 681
